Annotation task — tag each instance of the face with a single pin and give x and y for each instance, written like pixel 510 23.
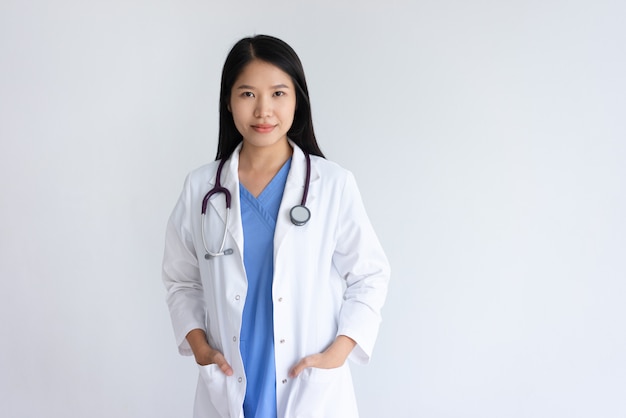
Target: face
pixel 263 104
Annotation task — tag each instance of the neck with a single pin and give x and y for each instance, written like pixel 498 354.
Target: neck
pixel 264 158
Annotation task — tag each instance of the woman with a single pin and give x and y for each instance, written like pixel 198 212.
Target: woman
pixel 272 300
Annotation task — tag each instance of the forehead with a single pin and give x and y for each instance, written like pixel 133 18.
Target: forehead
pixel 262 74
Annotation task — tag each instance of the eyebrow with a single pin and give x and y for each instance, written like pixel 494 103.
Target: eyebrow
pixel 247 87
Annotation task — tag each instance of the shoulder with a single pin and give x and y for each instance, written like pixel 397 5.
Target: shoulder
pixel 334 181
pixel 203 174
pixel 329 170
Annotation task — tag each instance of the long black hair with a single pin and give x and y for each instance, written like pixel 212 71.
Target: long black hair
pixel 276 52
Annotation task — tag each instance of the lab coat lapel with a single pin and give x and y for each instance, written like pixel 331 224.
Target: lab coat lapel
pixel 230 180
pixel 292 196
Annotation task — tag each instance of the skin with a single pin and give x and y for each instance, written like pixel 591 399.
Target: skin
pixel 263 104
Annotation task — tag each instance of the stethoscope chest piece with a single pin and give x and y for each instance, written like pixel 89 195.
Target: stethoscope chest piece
pixel 300 215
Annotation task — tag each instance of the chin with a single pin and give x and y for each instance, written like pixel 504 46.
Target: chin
pixel 264 140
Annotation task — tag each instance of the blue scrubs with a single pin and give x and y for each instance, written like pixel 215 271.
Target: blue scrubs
pixel 258 216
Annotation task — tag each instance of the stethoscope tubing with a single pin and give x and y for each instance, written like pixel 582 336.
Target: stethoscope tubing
pixel 296 219
pixel 307 179
pixel 218 188
pixel 221 251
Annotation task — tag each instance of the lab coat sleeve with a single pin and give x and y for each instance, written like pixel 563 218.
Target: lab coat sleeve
pixel 360 260
pixel 181 274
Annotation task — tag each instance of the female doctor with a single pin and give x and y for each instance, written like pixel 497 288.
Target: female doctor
pixel 274 275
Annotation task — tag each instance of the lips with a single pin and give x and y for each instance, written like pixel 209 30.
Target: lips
pixel 263 128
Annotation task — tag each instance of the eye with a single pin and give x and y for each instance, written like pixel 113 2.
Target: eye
pixel 279 93
pixel 247 94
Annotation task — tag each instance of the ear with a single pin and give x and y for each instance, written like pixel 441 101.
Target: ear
pixel 228 107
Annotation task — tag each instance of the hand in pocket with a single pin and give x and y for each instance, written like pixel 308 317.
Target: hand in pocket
pixel 211 356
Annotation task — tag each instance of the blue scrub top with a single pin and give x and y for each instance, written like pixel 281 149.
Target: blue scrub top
pixel 258 217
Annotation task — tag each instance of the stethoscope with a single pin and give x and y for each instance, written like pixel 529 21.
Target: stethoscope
pixel 299 214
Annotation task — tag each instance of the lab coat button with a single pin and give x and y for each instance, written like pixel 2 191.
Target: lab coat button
pixel 282 341
pixel 240 380
pixel 284 381
pixel 237 297
pixel 280 299
pixel 235 339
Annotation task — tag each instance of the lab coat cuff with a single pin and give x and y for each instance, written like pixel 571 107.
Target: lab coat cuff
pixel 359 356
pixel 181 339
pixel 362 351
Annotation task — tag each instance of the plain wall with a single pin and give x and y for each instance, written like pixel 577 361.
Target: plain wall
pixel 488 139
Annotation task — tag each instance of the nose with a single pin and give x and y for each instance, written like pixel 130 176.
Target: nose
pixel 263 108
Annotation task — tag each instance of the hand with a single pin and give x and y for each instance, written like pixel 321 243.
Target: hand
pixel 205 354
pixel 333 357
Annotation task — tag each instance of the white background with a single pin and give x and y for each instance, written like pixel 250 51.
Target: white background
pixel 489 141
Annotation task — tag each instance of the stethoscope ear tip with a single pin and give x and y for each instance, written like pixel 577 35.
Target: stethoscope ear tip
pixel 227 251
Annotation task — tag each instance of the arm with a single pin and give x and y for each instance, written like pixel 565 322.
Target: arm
pixel 360 260
pixel 181 275
pixel 185 294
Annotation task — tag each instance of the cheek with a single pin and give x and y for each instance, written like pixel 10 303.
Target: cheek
pixel 289 112
pixel 237 114
pixel 239 123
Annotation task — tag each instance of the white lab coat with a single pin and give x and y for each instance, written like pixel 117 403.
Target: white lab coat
pixel 330 279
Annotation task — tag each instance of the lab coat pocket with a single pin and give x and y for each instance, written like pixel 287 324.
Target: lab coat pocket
pixel 317 394
pixel 314 374
pixel 215 383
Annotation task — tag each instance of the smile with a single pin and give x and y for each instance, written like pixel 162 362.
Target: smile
pixel 263 129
